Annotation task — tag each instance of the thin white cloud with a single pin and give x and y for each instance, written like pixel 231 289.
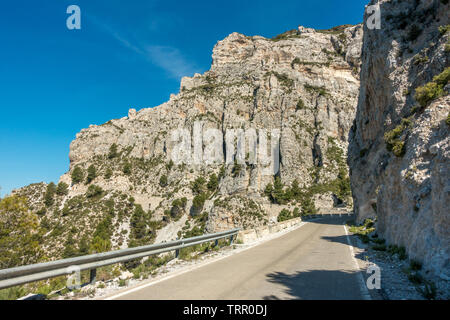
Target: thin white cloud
pixel 167 58
pixel 171 60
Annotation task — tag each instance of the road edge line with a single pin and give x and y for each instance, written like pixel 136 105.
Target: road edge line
pixel 362 284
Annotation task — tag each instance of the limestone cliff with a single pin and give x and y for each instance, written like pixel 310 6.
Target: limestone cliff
pixel 399 143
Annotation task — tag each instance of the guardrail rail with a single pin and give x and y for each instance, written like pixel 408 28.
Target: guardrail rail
pixel 41 271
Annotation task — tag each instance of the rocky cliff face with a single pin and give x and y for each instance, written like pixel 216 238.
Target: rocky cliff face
pixel 303 83
pixel 399 143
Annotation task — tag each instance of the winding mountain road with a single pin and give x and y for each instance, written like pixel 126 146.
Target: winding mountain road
pixel 314 261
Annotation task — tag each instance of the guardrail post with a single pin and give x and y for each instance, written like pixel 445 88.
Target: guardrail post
pixel 231 240
pixel 177 251
pixel 92 276
pixel 216 243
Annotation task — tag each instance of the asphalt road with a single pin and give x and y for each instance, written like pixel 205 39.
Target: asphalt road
pixel 311 262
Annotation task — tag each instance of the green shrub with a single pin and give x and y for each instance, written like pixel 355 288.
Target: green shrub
pixel 320 90
pixel 139 233
pixel 427 93
pixel 419 59
pixel 49 197
pixel 99 245
pixel 108 174
pixel 199 202
pixel 296 192
pixel 442 78
pixel 127 168
pixel 399 148
pixel 213 182
pixel 177 207
pixel 94 191
pixel 237 169
pixel 284 80
pixel 400 251
pixel 268 190
pixel 92 174
pixel 432 90
pixel 276 192
pixel 77 175
pixel 163 181
pixel 69 249
pixel 13 293
pixel 83 247
pixel 113 151
pixel 170 165
pixel 444 29
pixel 308 207
pixel 284 215
pixel 222 172
pixel 62 189
pixel 391 138
pixel 279 196
pixel 300 105
pixel 19 229
pixel 198 186
pixel 363 230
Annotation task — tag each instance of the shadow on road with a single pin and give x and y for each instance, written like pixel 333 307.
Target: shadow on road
pixel 343 240
pixel 316 285
pixel 331 220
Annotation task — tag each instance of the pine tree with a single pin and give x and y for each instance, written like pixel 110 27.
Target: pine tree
pixel 163 181
pixel 83 248
pixel 198 186
pixel 92 174
pixel 113 151
pixel 213 182
pixel 69 250
pixel 295 190
pixel 77 175
pixel 127 168
pixel 138 227
pixel 19 230
pixel 49 197
pixel 108 173
pixel 278 192
pixel 62 189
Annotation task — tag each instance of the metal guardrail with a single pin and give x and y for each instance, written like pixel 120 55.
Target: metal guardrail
pixel 325 215
pixel 41 271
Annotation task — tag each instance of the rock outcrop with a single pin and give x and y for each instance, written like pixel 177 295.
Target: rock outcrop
pixel 399 144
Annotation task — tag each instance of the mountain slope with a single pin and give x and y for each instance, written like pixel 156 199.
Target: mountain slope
pixel 124 189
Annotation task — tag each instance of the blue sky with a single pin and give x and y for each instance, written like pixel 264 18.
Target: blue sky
pixel 55 82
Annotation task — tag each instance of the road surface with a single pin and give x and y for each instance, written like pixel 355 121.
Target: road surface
pixel 311 262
